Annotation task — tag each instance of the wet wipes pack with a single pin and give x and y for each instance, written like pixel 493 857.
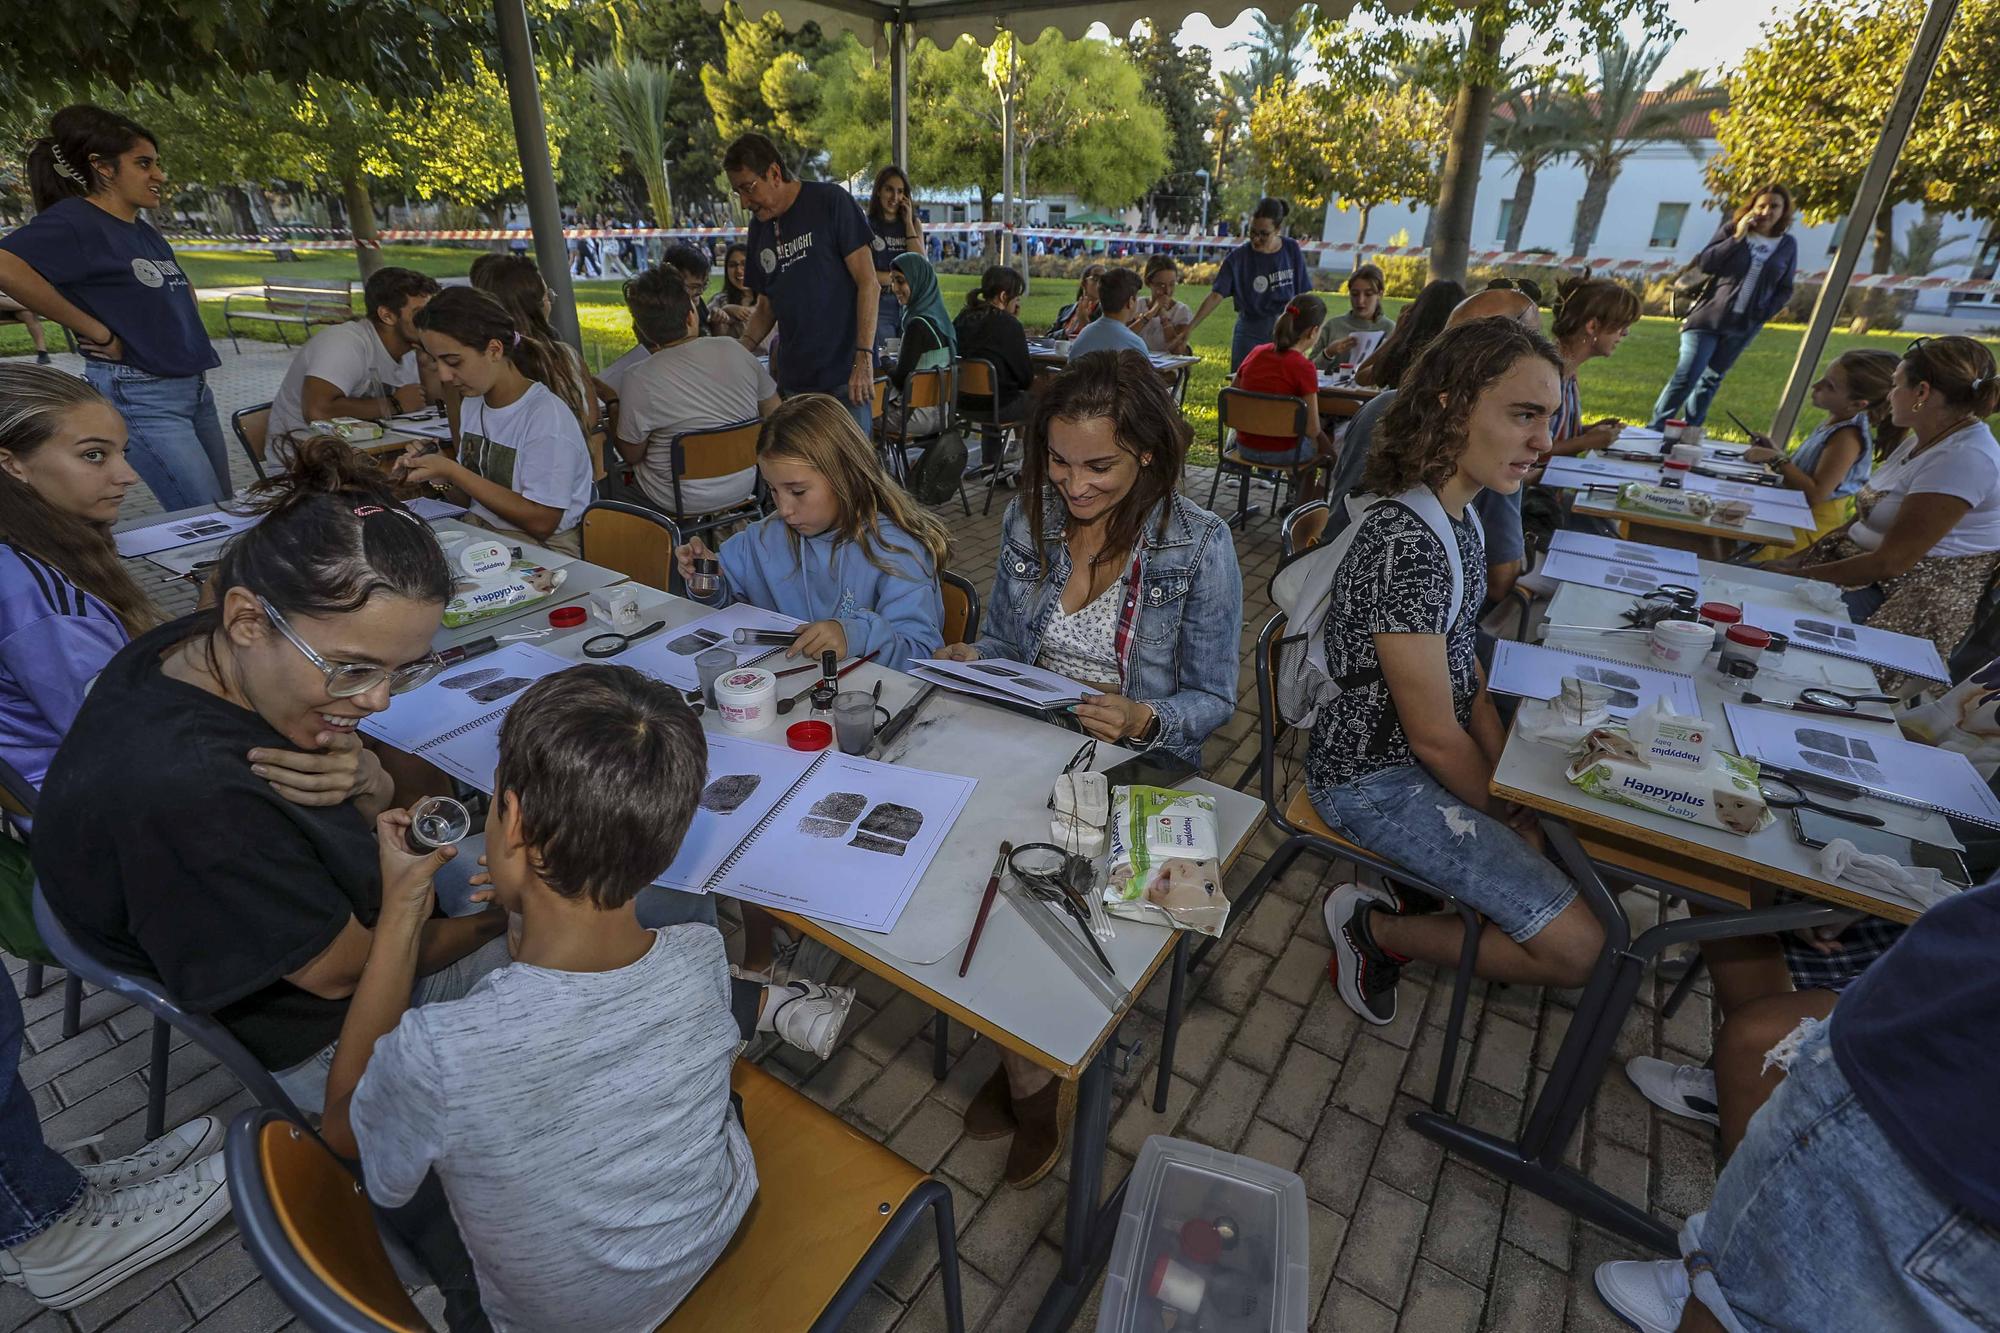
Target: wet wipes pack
pixel 516 584
pixel 1165 858
pixel 1721 793
pixel 1666 737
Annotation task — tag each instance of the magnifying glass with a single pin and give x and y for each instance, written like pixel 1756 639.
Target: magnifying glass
pixel 1043 869
pixel 600 646
pixel 1784 796
pixel 1820 697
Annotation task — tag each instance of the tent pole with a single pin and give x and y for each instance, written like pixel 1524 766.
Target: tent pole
pixel 1867 204
pixel 538 176
pixel 899 92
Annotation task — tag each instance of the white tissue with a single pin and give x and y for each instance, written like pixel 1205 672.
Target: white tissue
pixel 1840 860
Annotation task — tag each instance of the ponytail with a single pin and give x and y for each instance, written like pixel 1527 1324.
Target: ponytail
pixel 63 163
pixel 471 317
pixel 1301 317
pixel 515 282
pixel 1870 375
pixel 997 283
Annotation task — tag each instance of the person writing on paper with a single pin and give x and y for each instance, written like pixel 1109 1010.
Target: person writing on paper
pixel 1263 276
pixel 1590 318
pixel 1337 342
pixel 1280 367
pixel 1108 576
pixel 1401 761
pixel 1925 540
pixel 67 602
pixel 365 368
pixel 1161 320
pixel 1416 324
pixel 522 461
pixel 845 549
pixel 1835 461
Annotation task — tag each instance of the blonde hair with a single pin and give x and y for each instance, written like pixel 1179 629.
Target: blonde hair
pixel 817 430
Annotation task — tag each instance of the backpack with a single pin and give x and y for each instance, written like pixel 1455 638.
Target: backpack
pixel 1303 590
pixel 940 470
pixel 1691 286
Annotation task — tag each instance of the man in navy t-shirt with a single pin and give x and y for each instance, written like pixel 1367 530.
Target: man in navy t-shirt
pixel 813 274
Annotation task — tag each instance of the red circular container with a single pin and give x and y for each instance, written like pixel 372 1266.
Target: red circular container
pixel 568 617
pixel 1671 466
pixel 1721 614
pixel 1749 636
pixel 812 735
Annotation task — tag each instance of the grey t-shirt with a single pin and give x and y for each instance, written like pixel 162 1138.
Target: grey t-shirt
pixel 701 384
pixel 581 1125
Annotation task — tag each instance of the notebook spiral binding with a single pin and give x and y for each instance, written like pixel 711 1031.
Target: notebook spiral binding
pixel 714 881
pixel 465 730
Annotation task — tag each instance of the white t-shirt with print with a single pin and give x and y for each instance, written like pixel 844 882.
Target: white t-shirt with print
pixel 1965 464
pixel 533 447
pixel 348 356
pixel 700 384
pixel 1157 332
pixel 1760 254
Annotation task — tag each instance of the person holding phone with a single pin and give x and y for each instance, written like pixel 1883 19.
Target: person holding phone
pixel 892 218
pixel 1750 266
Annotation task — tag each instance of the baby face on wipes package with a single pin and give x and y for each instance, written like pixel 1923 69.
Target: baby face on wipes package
pixel 1722 793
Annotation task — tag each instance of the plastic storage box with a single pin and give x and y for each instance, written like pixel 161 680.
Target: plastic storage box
pixel 1208 1242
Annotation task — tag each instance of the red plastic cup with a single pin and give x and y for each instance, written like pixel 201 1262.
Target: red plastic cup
pixel 810 735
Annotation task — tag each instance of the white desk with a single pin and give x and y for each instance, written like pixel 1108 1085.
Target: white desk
pixel 1718 535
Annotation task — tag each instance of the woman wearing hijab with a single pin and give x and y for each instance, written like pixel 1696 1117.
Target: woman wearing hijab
pixel 930 339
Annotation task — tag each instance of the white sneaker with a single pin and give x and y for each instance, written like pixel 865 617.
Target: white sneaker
pixel 1685 1090
pixel 169 1152
pixel 1648 1294
pixel 809 1014
pixel 112 1234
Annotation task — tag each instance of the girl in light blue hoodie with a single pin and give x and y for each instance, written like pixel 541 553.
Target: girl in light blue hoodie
pixel 845 548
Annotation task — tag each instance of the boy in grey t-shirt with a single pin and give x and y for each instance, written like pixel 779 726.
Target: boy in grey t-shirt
pixel 575 1105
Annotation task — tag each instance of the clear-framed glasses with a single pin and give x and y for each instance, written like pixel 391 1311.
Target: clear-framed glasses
pixel 344 680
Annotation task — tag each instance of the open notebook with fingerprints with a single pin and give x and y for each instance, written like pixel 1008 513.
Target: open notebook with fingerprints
pixel 1536 671
pixel 460 699
pixel 1906 772
pixel 1883 649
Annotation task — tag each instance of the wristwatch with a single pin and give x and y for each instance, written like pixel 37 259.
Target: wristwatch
pixel 1150 736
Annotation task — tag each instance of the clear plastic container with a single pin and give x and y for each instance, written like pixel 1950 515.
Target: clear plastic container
pixel 1219 1239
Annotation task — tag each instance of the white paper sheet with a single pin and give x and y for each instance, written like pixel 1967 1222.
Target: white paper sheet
pixel 181 532
pixel 1663 558
pixel 851 843
pixel 460 695
pixel 745 779
pixel 959 686
pixel 1887 765
pixel 431 424
pixel 1570 567
pixel 1536 672
pixel 1775 498
pixel 1596 470
pixel 1905 653
pixel 669 655
pixel 1021 682
pixel 1364 347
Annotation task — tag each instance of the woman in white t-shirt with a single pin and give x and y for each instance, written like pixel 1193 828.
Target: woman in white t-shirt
pixel 1925 540
pixel 1162 321
pixel 522 462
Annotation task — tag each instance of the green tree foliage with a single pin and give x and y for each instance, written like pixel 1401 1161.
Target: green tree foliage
pixel 1178 83
pixel 1529 127
pixel 763 82
pixel 1806 107
pixel 1614 117
pixel 1358 152
pixel 1277 49
pixel 637 97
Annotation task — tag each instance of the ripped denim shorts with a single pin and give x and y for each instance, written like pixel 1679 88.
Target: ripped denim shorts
pixel 1405 815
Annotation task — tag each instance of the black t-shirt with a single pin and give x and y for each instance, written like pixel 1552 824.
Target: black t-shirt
pixel 799 260
pixel 166 856
pixel 1395 580
pixel 996 336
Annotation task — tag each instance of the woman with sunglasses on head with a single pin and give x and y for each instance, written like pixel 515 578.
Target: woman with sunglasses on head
pixel 1264 275
pixel 1925 540
pixel 212 818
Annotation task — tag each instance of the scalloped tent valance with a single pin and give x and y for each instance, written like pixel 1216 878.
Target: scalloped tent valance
pixel 945 21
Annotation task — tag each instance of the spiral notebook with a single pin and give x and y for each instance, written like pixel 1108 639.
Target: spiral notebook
pixel 1536 672
pixel 1890 767
pixel 1880 648
pixel 461 699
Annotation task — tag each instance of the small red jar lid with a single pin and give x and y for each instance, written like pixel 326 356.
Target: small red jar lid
pixel 1201 1243
pixel 568 617
pixel 1723 613
pixel 1748 635
pixel 813 735
pixel 1671 465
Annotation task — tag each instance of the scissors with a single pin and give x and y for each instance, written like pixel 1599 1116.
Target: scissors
pixel 1783 795
pixel 600 646
pixel 1046 871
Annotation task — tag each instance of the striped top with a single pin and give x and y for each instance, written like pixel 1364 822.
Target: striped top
pixel 54 639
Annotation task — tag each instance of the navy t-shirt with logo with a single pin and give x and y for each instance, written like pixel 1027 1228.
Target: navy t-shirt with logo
pixel 888 241
pixel 124 274
pixel 799 260
pixel 1262 284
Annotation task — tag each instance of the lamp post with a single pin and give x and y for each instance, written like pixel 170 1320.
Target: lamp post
pixel 1203 173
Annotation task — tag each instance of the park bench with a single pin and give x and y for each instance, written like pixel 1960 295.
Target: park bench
pixel 302 302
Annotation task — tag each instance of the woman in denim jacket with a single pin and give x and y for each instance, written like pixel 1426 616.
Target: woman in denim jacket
pixel 1155 611
pixel 1109 577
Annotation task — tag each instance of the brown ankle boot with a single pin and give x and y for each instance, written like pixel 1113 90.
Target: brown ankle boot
pixel 990 1114
pixel 1042 1123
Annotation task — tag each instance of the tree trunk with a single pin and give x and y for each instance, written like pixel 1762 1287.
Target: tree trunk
pixel 361 221
pixel 1524 198
pixel 1870 305
pixel 1590 213
pixel 1361 232
pixel 239 207
pixel 1458 190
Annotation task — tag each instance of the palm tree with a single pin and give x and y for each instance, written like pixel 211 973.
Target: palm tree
pixel 1618 117
pixel 1534 132
pixel 635 95
pixel 1276 49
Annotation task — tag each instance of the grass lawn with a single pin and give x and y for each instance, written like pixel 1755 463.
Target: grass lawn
pixel 1623 386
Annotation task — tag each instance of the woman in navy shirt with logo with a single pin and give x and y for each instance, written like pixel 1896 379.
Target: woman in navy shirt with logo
pixel 1263 276
pixel 892 216
pixel 92 264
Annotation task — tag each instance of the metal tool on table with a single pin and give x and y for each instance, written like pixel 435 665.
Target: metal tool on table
pixel 1813 701
pixel 1815 782
pixel 1062 879
pixel 896 725
pixel 1075 948
pixel 600 646
pixel 786 705
pixel 1784 795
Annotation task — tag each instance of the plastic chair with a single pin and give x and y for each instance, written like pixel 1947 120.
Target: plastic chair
pixel 703 455
pixel 636 541
pixel 1305 831
pixel 831 1211
pixel 150 995
pixel 252 426
pixel 961 607
pixel 1270 414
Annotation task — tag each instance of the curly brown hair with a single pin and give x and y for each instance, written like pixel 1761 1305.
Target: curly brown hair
pixel 1423 433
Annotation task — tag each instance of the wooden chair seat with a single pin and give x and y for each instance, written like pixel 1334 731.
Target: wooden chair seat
pixel 1299 810
pixel 824 1192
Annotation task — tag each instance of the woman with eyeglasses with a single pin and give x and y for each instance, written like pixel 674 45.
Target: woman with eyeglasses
pixel 210 819
pixel 1263 275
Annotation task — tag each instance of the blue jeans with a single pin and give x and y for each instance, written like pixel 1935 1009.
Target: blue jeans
pixel 1405 815
pixel 36 1185
pixel 176 443
pixel 1706 356
pixel 1247 334
pixel 1819 1223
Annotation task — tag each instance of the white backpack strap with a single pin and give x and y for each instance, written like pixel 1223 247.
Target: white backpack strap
pixel 1425 505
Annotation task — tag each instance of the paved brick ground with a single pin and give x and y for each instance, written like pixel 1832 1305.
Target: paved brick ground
pixel 1269 1064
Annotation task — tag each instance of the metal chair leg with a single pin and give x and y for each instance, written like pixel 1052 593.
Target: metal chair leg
pixel 1171 1026
pixel 954 1305
pixel 72 1006
pixel 1682 987
pixel 940 1045
pixel 156 1082
pixel 34 981
pixel 1468 957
